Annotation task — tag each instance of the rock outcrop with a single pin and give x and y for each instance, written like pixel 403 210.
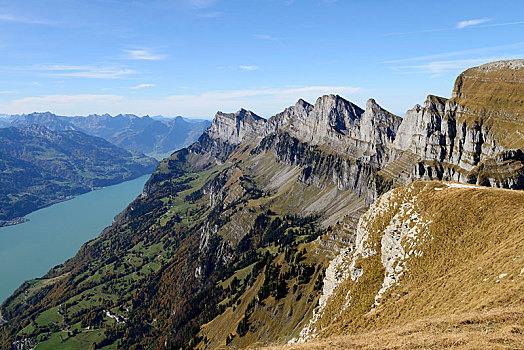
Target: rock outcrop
pixel 340 126
pixel 474 137
pixel 234 128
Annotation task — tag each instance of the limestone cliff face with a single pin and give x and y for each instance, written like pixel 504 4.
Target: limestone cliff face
pixel 340 126
pixel 234 128
pixel 477 136
pixel 225 133
pixel 473 137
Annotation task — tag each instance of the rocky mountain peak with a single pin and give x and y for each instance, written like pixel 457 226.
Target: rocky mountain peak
pixel 501 65
pixel 373 107
pixel 234 128
pixel 242 115
pixel 50 120
pixel 371 104
pixel 42 114
pixel 435 103
pixel 302 102
pixel 340 109
pixel 302 106
pixel 378 126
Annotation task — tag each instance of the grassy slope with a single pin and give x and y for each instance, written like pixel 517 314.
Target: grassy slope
pixel 465 289
pixel 495 329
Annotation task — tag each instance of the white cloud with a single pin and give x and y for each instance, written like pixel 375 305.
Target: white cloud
pixel 267 101
pixel 455 61
pixel 460 25
pixel 317 90
pixel 268 37
pixel 141 86
pixel 472 22
pixel 144 54
pixel 436 68
pixel 61 103
pixel 81 71
pixel 61 67
pixel 104 73
pixel 8 92
pixel 503 24
pixel 17 19
pixel 249 68
pixel 518 47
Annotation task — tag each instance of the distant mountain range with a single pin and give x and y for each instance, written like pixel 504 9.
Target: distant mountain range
pixel 40 166
pixel 155 136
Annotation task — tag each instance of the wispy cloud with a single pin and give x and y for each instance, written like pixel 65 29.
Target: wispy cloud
pixel 249 68
pixel 460 25
pixel 441 66
pixel 472 22
pixel 515 47
pixel 502 24
pixel 225 95
pixel 144 54
pixel 81 71
pixel 8 92
pixel 453 61
pixel 62 103
pixel 141 86
pixel 18 19
pixel 268 37
pixel 266 101
pixel 436 68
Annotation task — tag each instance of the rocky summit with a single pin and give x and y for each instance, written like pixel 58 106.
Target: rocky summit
pixel 310 225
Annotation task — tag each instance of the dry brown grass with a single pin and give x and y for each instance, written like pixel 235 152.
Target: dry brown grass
pixel 465 291
pixel 497 329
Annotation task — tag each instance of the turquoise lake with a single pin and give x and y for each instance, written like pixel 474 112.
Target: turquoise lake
pixel 54 234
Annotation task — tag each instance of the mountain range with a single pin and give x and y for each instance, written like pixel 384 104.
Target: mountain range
pixel 154 136
pixel 40 167
pixel 324 220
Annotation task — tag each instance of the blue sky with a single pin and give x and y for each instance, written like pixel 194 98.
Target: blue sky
pixel 194 57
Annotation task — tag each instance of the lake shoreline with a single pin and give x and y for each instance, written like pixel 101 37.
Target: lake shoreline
pixel 21 219
pixel 11 222
pixel 54 234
